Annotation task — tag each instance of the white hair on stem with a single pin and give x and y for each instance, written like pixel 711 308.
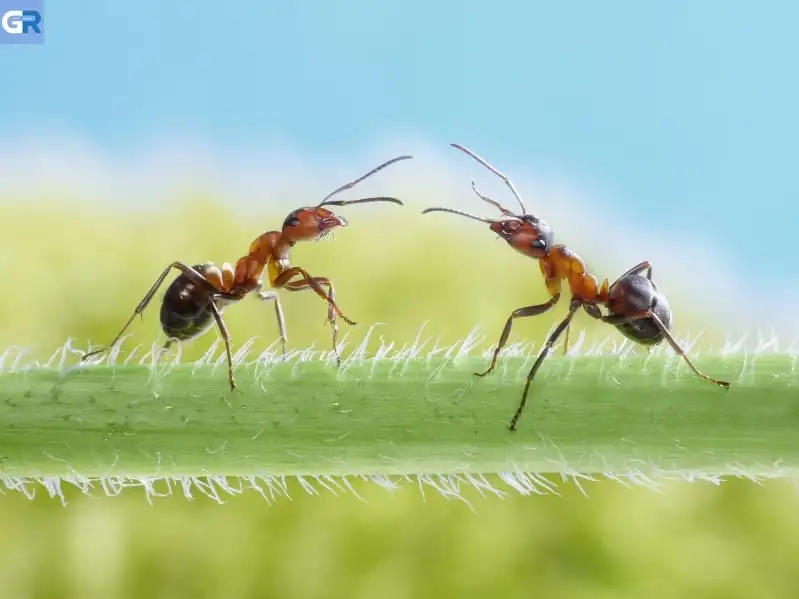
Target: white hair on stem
pixel 467 487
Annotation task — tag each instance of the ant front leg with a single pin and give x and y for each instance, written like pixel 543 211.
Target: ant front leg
pixel 309 282
pixel 331 314
pixel 520 313
pixel 316 284
pixel 575 305
pixel 616 320
pixel 272 296
pixel 187 270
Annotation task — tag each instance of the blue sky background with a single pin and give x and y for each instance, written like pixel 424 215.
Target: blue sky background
pixel 682 112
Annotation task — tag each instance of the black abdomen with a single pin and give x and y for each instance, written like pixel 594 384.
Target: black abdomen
pixel 637 293
pixel 644 331
pixel 185 309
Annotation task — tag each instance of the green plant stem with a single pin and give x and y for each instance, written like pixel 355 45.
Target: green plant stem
pixel 589 414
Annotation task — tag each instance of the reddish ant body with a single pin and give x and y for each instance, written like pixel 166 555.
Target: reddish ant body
pixel 635 305
pixel 199 294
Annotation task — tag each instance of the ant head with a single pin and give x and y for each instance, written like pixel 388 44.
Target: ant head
pixel 311 224
pixel 525 234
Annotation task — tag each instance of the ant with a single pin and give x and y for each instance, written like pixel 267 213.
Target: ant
pixel 200 293
pixel 635 305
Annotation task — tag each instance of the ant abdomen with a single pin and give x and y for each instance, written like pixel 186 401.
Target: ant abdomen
pixel 634 294
pixel 186 307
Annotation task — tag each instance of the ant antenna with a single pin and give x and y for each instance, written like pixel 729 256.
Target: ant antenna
pixel 466 214
pixel 498 174
pixel 361 201
pixel 502 209
pixel 352 184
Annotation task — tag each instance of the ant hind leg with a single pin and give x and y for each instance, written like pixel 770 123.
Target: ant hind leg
pixel 226 338
pixel 187 270
pixel 638 269
pixel 618 319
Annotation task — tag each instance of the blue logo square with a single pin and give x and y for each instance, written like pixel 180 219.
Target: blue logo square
pixel 21 21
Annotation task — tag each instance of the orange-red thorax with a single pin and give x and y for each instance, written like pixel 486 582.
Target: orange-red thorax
pixel 533 237
pixel 271 249
pixel 266 248
pixel 561 263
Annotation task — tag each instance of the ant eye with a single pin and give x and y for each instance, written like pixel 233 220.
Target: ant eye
pixel 291 220
pixel 539 244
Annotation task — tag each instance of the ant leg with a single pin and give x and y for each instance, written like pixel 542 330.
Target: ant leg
pixel 639 268
pixel 331 314
pixel 167 344
pixel 314 283
pixel 616 320
pixel 575 305
pixel 226 338
pixel 520 313
pixel 272 296
pixel 187 270
pixel 566 341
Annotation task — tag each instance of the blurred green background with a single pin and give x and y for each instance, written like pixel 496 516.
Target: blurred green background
pixel 78 271
pixel 735 541
pixel 84 269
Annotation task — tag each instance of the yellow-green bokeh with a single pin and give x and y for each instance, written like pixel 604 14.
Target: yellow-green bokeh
pixel 79 272
pixel 736 541
pixel 74 270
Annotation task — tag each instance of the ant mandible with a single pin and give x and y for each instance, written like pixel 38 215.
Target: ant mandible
pixel 200 293
pixel 635 305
